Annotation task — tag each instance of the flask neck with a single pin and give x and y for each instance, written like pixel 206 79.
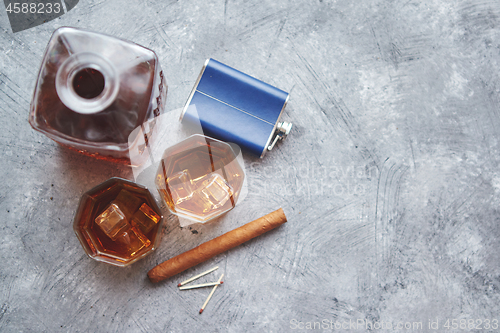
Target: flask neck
pixel 87 83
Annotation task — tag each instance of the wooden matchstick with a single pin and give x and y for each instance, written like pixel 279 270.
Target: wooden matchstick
pixel 197 276
pixel 216 246
pixel 210 284
pixel 211 293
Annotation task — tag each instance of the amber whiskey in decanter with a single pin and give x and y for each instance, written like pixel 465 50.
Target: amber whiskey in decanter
pixel 118 222
pixel 93 90
pixel 199 178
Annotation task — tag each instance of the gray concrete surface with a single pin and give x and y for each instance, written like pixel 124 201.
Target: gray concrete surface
pixel 389 178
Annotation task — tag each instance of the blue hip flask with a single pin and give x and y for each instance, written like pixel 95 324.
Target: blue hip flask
pixel 235 107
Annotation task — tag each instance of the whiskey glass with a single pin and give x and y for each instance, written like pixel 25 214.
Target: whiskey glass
pixel 118 222
pixel 199 178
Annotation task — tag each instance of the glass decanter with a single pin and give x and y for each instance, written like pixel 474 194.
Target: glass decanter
pixel 93 90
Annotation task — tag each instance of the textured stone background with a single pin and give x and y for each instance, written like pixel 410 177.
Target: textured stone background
pixel 389 178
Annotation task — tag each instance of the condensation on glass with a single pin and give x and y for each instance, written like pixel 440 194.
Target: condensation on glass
pixel 118 222
pixel 199 178
pixel 93 90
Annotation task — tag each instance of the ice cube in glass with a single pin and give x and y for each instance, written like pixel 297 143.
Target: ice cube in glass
pixel 112 221
pixel 145 219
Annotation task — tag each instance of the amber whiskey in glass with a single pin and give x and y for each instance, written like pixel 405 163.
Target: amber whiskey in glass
pixel 118 222
pixel 199 178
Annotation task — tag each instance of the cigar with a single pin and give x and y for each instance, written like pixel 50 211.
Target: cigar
pixel 216 246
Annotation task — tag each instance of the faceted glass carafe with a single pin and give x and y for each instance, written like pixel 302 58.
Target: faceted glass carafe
pixel 93 90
